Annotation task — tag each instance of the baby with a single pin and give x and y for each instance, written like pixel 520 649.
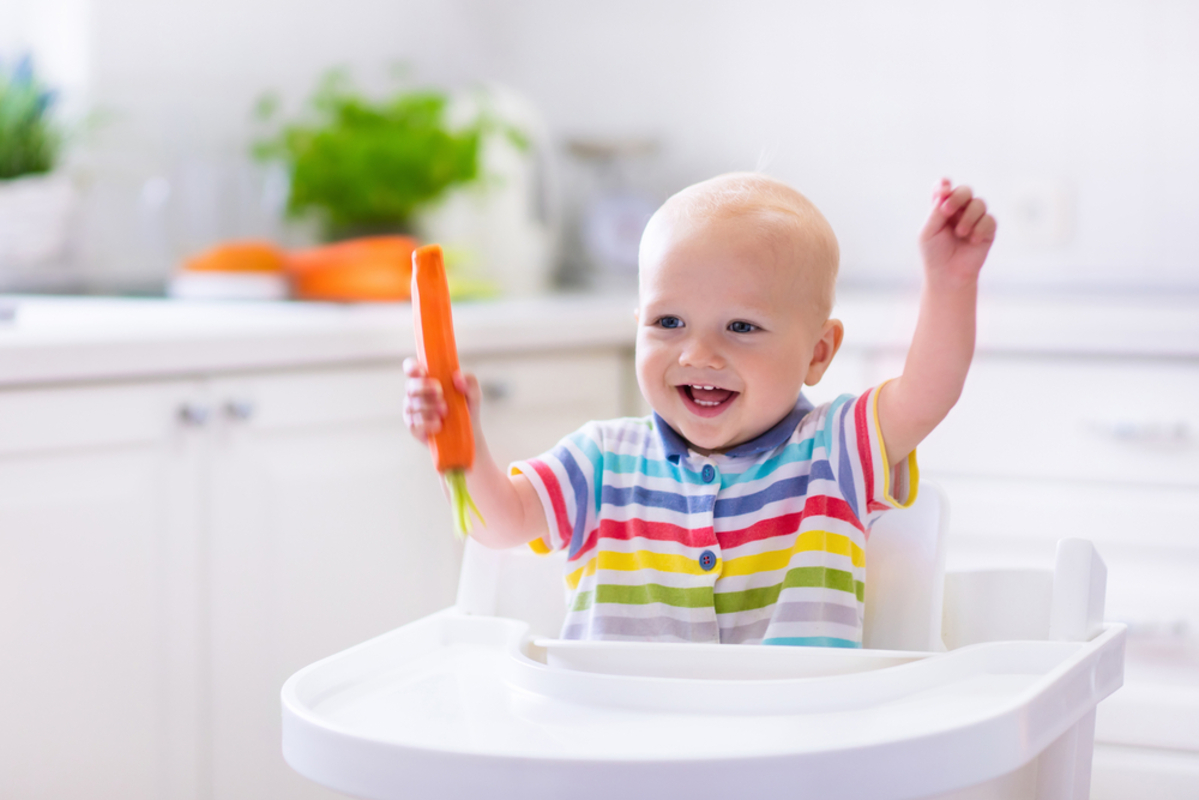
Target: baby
pixel 737 512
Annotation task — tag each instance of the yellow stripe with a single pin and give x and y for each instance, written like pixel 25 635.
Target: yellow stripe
pixel 882 444
pixel 539 547
pixel 808 541
pixel 573 578
pixel 645 559
pixel 913 471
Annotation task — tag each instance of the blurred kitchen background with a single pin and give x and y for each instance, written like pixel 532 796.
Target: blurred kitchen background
pixel 196 500
pixel 1077 121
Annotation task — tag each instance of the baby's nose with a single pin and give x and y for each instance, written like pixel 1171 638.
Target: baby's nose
pixel 699 352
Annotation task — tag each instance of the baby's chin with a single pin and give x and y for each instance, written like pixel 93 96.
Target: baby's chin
pixel 705 442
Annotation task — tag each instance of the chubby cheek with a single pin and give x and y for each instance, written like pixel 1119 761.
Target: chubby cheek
pixel 651 365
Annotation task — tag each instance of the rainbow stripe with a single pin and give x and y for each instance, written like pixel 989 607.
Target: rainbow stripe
pixel 770 550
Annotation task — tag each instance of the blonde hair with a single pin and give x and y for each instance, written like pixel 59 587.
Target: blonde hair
pixel 785 217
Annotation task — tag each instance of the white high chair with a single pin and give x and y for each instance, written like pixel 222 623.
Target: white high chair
pixel 972 685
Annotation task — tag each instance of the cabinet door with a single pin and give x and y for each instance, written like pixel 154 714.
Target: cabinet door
pixel 328 527
pixel 532 401
pixel 99 594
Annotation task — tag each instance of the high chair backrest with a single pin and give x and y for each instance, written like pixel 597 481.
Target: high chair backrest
pixel 905 575
pixel 515 583
pixel 905 567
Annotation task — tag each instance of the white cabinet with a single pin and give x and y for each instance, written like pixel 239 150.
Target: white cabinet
pixel 532 401
pixel 1044 445
pixel 100 674
pixel 326 527
pixel 170 552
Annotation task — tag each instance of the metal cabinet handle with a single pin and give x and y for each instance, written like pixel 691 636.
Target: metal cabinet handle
pixel 194 415
pixel 239 409
pixel 495 390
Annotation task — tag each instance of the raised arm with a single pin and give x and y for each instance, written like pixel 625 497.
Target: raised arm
pixel 954 244
pixel 509 505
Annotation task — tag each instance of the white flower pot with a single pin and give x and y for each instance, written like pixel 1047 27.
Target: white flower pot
pixel 35 217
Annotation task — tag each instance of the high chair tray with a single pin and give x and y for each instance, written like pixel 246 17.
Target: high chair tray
pixel 457 706
pixel 716 661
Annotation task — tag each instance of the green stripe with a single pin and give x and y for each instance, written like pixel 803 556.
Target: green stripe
pixel 820 577
pixel 697 597
pixel 583 601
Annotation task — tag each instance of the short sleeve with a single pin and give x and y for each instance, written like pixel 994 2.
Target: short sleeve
pixel 567 480
pixel 859 460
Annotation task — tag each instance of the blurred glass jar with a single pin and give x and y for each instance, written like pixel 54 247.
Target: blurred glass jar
pixel 501 232
pixel 611 202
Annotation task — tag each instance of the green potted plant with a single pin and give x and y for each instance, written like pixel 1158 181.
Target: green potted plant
pixel 36 201
pixel 363 166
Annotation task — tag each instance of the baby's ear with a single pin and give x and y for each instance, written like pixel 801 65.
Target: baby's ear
pixel 827 346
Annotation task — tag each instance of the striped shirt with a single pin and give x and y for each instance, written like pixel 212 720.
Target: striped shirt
pixel 761 544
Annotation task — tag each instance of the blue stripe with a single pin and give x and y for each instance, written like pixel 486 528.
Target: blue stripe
pixel 845 464
pixel 812 641
pixel 578 481
pixel 779 490
pixel 651 498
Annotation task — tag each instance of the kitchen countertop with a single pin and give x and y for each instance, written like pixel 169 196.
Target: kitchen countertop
pixel 60 339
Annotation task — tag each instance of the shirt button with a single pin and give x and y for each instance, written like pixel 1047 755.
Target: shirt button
pixel 707 560
pixel 708 473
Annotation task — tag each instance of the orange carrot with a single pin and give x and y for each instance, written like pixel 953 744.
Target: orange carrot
pixel 453 447
pixel 244 256
pixel 370 268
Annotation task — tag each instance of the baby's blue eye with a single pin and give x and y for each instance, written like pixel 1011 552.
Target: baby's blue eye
pixel 742 327
pixel 670 322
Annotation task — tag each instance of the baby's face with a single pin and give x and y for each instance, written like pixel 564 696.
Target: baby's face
pixel 726 333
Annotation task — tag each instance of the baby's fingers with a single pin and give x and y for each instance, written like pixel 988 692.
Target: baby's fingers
pixel 984 231
pixel 947 202
pixel 941 191
pixel 970 216
pixel 413 369
pixel 424 401
pixel 955 201
pixel 423 414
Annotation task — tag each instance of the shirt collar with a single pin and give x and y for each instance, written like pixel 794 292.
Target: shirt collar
pixel 676 446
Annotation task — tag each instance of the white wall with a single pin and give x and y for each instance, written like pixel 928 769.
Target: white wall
pixel 1084 110
pixel 177 82
pixel 1084 113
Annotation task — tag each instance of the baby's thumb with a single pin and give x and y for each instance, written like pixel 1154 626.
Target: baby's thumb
pixel 468 384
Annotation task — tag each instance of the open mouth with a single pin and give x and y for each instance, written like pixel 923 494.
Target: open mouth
pixel 706 400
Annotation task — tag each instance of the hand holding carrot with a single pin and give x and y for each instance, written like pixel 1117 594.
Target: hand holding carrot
pixel 452 443
pixel 425 407
pixel 441 408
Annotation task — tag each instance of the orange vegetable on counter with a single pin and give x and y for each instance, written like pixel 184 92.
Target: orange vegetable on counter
pixel 370 268
pixel 453 447
pixel 249 256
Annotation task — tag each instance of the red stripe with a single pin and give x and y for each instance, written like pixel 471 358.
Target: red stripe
pixel 555 492
pixel 657 531
pixel 786 524
pixel 864 455
pixel 588 547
